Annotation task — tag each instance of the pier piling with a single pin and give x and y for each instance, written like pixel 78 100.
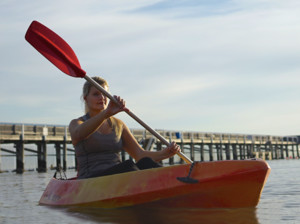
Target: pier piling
pixel 20 156
pixel 42 156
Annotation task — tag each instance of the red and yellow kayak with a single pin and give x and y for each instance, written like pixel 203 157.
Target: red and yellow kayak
pixel 220 184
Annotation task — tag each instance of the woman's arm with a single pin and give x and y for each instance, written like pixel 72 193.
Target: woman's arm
pixel 80 130
pixel 137 152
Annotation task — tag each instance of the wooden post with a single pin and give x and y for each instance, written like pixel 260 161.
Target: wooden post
pixel 20 157
pixel 287 151
pixel 293 150
pixel 259 146
pixel 218 151
pixel 211 157
pixel 42 152
pixel 227 151
pixel 241 151
pixel 158 148
pixel 276 150
pixel 202 151
pixel 192 151
pixel 65 150
pixel 271 151
pixel 221 148
pixel 228 148
pixel 171 159
pixel 58 156
pixel 251 150
pixel 244 148
pixel 281 151
pixel 246 151
pixel 42 157
pixel 234 151
pixel 192 148
pixel 64 156
pixel 182 148
pixel 20 153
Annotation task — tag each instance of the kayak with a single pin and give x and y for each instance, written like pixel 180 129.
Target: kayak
pixel 216 184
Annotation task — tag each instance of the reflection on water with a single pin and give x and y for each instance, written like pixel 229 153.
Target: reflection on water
pixel 165 215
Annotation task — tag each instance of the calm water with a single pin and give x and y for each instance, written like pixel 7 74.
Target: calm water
pixel 280 203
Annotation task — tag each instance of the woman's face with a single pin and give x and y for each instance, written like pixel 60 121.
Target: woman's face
pixel 95 100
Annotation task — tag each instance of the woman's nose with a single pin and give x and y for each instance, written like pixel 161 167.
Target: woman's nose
pixel 102 96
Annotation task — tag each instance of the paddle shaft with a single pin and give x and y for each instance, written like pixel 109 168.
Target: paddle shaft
pixel 152 131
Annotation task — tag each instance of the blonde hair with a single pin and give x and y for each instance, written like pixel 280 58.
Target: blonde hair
pixel 117 125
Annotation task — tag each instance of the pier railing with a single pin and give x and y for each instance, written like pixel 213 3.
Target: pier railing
pixel 27 132
pixel 209 146
pixel 199 137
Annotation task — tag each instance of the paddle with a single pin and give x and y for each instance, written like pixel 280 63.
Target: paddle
pixel 57 51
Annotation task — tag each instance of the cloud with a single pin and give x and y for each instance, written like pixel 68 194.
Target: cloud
pixel 195 65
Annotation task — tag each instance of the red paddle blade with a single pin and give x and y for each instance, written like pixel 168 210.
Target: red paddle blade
pixel 54 48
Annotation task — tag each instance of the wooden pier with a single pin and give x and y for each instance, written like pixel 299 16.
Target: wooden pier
pixel 199 146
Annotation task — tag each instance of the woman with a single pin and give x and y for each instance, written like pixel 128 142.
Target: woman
pixel 98 137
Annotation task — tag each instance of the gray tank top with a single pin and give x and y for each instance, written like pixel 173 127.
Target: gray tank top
pixel 97 153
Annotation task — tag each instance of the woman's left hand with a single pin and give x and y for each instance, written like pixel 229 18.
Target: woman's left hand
pixel 172 149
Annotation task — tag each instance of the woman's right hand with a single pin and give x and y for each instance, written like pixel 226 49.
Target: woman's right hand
pixel 171 150
pixel 114 108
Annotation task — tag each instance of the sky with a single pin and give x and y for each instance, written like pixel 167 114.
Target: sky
pixel 223 66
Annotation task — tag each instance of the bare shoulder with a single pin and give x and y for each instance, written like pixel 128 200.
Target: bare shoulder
pixel 118 120
pixel 119 123
pixel 74 123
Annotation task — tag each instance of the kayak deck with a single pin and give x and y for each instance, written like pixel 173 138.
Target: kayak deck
pixel 221 184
